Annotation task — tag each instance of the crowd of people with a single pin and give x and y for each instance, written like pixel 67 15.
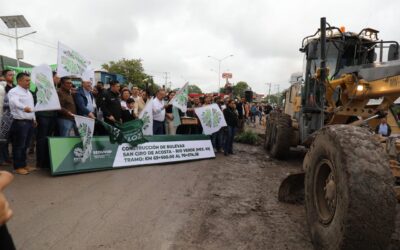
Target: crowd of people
pixel 115 105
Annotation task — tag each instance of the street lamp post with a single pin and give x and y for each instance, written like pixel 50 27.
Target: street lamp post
pixel 219 68
pixel 15 22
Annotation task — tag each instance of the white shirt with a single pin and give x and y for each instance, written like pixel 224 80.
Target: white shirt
pixel 158 110
pixel 123 104
pixel 20 98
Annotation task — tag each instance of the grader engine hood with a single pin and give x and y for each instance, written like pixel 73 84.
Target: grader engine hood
pixel 374 71
pixel 388 72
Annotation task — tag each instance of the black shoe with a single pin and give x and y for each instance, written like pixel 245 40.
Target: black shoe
pixel 231 153
pixel 225 153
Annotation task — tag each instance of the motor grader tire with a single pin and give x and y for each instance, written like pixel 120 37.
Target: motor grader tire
pixel 267 138
pixel 349 196
pixel 281 136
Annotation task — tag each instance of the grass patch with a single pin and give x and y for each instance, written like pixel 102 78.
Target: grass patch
pixel 247 137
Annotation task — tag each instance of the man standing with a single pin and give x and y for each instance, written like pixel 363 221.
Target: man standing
pixel 159 113
pixel 85 102
pixel 231 119
pixel 46 121
pixel 383 128
pixel 9 77
pixel 100 92
pixel 111 104
pixel 65 120
pixel 21 106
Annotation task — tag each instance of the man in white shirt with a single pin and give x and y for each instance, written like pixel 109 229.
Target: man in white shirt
pixel 159 113
pixel 21 106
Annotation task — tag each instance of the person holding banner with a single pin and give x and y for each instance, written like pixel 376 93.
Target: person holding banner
pixel 47 124
pixel 65 120
pixel 112 109
pixel 171 129
pixel 21 106
pixel 159 113
pixel 85 102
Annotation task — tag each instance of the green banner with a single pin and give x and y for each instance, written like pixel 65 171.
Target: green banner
pixel 66 153
pixel 129 132
pixel 27 70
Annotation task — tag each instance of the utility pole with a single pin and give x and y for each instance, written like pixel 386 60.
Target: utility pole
pixel 269 93
pixel 278 94
pixel 166 78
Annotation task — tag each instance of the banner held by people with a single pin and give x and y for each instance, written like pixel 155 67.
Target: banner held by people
pixel 47 98
pixel 211 118
pixel 85 127
pixel 147 117
pixel 32 86
pixel 5 125
pixel 181 98
pixel 127 132
pixel 70 62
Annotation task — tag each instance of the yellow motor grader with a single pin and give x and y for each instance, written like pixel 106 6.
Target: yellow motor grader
pixel 350 181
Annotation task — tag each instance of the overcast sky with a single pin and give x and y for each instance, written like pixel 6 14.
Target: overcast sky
pixel 176 36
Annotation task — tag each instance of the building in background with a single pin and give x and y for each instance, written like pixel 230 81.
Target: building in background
pixel 106 77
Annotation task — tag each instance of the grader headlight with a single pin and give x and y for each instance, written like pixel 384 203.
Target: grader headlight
pixel 360 87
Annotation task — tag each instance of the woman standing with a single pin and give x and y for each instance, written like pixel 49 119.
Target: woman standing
pixel 125 94
pixel 231 119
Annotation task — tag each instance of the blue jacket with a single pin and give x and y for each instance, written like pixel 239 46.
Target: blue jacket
pixel 81 101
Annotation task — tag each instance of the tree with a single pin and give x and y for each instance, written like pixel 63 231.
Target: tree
pixel 240 88
pixel 275 99
pixel 195 89
pixel 132 69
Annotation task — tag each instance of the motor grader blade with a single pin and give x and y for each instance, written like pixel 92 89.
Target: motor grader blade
pixel 291 189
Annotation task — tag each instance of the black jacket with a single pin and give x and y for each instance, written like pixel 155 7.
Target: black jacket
pixel 239 108
pixel 111 105
pixel 128 116
pixel 231 117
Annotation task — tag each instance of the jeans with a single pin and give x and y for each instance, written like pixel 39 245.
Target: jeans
pixel 21 134
pixel 228 145
pixel 217 139
pixel 253 118
pixel 158 128
pixel 46 127
pixel 65 126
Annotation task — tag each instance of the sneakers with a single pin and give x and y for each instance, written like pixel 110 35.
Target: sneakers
pixel 21 171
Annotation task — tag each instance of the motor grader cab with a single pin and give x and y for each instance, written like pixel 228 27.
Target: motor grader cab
pixel 351 176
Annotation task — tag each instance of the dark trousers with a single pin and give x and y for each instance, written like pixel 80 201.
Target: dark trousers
pixel 46 127
pixel 253 118
pixel 158 128
pixel 217 139
pixel 4 154
pixel 6 241
pixel 228 146
pixel 21 133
